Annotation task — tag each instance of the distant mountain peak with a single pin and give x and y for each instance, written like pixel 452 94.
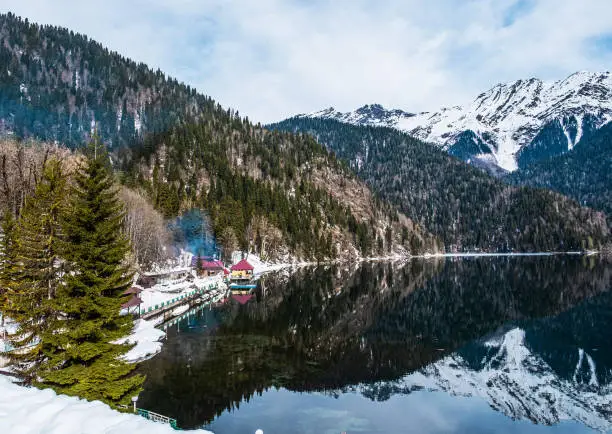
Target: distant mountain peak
pixel 368 114
pixel 519 122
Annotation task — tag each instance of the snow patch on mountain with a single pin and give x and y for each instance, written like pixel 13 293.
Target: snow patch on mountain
pixel 369 114
pixel 507 117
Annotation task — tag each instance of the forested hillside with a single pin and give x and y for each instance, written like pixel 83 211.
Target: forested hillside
pixel 58 85
pixel 280 195
pixel 468 208
pixel 584 173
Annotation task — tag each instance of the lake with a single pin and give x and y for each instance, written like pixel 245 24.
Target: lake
pixel 461 345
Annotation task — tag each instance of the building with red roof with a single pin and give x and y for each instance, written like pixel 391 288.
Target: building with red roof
pixel 207 267
pixel 243 265
pixel 242 271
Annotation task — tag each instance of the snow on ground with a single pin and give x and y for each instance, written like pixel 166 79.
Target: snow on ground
pixel 145 335
pixel 147 339
pixel 261 267
pixel 162 293
pixel 9 327
pixel 180 262
pixel 32 411
pixel 478 254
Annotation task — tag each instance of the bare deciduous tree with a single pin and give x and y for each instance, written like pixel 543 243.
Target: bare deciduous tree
pixel 21 164
pixel 146 229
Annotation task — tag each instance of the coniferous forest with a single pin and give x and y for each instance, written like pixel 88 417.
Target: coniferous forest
pixel 63 273
pixel 584 173
pixel 77 220
pixel 468 208
pixel 269 191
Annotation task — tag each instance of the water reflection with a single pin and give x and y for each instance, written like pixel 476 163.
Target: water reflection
pixel 528 335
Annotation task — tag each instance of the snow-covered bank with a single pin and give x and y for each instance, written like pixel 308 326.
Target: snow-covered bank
pixel 478 254
pixel 163 293
pixel 261 267
pixel 32 411
pixel 9 328
pixel 147 339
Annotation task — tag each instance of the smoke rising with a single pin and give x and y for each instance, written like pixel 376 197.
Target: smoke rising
pixel 192 232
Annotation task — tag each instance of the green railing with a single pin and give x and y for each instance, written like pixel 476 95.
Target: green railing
pixel 155 417
pixel 216 297
pixel 181 297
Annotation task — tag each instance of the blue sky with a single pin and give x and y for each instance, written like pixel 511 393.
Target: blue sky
pixel 270 59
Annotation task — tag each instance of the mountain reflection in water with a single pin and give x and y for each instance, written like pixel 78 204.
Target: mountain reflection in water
pixel 529 335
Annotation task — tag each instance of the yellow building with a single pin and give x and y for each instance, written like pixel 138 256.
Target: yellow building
pixel 241 271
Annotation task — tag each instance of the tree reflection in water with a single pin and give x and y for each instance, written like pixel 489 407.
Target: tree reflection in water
pixel 332 327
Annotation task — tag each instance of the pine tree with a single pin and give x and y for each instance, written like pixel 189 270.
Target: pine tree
pixel 84 361
pixel 8 261
pixel 34 277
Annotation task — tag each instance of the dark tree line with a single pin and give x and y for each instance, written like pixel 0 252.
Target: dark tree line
pixel 468 208
pixel 250 181
pixel 56 85
pixel 584 173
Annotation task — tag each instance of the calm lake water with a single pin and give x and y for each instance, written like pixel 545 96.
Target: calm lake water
pixel 466 345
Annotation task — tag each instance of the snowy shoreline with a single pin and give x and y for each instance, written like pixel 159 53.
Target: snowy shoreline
pixel 28 410
pixel 476 254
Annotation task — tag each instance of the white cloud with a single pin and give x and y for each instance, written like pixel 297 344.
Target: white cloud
pixel 273 58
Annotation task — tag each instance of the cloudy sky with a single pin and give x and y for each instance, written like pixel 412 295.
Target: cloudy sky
pixel 274 58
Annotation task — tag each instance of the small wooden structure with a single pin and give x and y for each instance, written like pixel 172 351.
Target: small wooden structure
pixel 132 305
pixel 207 266
pixel 241 272
pixel 148 280
pixel 134 290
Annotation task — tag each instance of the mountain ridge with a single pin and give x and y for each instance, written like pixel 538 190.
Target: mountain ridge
pixel 503 123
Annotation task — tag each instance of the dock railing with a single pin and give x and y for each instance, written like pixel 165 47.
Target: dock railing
pixel 155 417
pixel 180 299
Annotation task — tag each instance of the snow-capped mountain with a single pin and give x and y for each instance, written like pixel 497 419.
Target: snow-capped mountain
pixel 510 125
pixel 517 382
pixel 369 114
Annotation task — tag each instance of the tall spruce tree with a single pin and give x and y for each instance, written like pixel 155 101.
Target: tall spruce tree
pixel 32 272
pixel 8 261
pixel 84 360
